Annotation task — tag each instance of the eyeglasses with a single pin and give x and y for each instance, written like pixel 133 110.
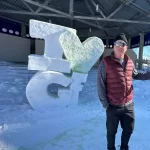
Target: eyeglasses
pixel 122 44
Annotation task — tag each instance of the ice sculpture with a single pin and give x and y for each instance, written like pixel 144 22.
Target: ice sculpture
pixel 43 63
pixel 39 29
pixel 82 56
pixel 37 92
pixel 51 66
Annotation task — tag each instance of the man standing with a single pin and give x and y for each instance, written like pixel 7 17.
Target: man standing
pixel 115 90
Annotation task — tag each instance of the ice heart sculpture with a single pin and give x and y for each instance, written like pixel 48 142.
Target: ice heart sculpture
pixel 82 56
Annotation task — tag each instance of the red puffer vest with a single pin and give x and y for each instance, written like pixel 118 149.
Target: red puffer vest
pixel 119 87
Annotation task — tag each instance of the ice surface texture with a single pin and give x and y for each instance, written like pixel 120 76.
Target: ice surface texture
pixel 39 29
pixel 82 56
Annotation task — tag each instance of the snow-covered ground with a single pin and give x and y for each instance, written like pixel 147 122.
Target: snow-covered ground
pixel 83 128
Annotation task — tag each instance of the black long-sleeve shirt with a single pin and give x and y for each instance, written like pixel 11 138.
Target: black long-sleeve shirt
pixel 101 81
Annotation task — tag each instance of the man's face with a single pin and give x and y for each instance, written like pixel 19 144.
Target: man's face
pixel 120 47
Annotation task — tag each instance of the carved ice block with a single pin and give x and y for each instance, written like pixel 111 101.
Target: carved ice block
pixel 82 56
pixel 42 63
pixel 39 29
pixel 38 95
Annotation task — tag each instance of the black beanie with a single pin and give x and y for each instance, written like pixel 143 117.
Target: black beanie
pixel 121 36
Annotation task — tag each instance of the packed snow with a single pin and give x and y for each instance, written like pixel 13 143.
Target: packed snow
pixel 81 128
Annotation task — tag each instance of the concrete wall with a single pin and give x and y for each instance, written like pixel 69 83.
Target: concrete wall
pixel 39 47
pixel 13 48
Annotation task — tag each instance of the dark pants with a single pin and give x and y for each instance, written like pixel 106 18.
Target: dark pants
pixel 124 115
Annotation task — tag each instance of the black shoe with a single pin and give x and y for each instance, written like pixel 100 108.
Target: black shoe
pixel 122 148
pixel 111 149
